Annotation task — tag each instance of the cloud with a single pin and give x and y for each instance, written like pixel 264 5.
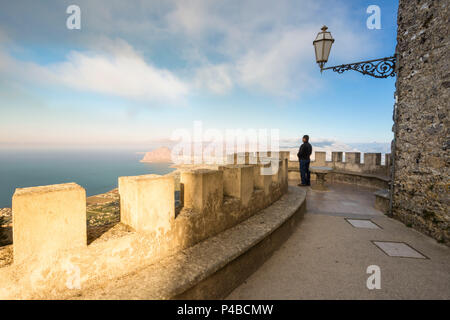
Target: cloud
pixel 263 46
pixel 123 75
pixel 118 71
pixel 216 78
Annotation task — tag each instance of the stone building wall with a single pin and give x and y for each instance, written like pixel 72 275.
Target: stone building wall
pixel 421 157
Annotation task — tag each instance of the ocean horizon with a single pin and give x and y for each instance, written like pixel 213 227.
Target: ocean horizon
pixel 95 170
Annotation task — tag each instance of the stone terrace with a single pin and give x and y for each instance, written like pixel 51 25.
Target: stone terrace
pixel 326 257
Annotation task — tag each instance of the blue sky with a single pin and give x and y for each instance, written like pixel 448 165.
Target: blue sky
pixel 138 70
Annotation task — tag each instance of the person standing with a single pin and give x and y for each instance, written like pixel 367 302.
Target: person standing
pixel 304 153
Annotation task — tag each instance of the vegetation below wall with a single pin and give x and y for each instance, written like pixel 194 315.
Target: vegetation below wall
pixel 102 213
pixel 3 235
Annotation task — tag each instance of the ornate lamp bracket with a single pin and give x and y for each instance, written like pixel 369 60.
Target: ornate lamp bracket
pixel 378 68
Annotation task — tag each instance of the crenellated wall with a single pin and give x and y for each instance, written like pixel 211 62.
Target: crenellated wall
pixel 51 256
pixel 370 173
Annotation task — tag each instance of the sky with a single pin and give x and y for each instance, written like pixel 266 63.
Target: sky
pixel 137 71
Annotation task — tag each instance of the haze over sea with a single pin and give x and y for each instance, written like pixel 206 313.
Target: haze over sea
pixel 95 170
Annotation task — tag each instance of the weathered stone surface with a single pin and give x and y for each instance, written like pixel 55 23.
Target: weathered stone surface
pixel 421 155
pixel 48 221
pixel 372 173
pixel 119 251
pixel 238 182
pixel 382 200
pixel 262 181
pixel 336 156
pixel 147 202
pixel 372 159
pixel 320 157
pixel 211 269
pixel 353 157
pixel 242 158
pixel 277 176
pixel 202 189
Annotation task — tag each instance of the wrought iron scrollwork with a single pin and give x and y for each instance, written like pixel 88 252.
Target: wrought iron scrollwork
pixel 379 68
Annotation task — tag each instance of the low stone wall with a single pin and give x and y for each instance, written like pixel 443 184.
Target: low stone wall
pixel 368 174
pixel 212 268
pixel 382 200
pixel 50 250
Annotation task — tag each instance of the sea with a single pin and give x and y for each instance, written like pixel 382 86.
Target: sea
pixel 95 170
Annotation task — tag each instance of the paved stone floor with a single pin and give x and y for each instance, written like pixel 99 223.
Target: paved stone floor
pixel 327 256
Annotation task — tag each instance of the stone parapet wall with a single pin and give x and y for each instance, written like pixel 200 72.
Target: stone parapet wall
pixel 371 165
pixel 52 256
pixel 421 132
pixel 371 173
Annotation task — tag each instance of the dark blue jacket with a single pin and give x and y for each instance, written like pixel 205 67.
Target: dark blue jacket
pixel 304 152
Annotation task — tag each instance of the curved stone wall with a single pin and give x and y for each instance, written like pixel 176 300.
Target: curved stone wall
pixel 50 251
pixel 368 174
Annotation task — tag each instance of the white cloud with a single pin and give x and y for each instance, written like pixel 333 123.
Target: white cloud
pixel 216 78
pixel 258 45
pixel 123 75
pixel 263 45
pixel 121 71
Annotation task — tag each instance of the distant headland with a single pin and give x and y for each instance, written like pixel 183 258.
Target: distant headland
pixel 159 155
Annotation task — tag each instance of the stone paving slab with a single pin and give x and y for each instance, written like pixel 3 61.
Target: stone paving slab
pixel 360 223
pixel 398 249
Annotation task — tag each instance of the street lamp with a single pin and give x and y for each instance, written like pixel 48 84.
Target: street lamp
pixel 378 68
pixel 322 46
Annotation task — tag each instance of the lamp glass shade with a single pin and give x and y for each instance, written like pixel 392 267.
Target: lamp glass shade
pixel 322 45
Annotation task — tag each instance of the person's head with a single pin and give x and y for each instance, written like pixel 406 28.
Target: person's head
pixel 305 138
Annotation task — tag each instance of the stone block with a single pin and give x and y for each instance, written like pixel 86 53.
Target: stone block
pixel 277 171
pixel 202 189
pixel 284 173
pixel 48 220
pixel 320 158
pixel 353 157
pixel 263 157
pixel 147 202
pixel 238 182
pixel 336 156
pixel 372 159
pixel 262 181
pixel 285 155
pixel 242 158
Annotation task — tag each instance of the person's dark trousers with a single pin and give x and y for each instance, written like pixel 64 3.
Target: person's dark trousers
pixel 304 172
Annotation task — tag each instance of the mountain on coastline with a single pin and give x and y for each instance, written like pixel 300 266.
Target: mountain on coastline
pixel 159 155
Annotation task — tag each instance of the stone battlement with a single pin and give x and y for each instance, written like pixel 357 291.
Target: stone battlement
pixel 370 173
pixel 51 255
pixel 372 162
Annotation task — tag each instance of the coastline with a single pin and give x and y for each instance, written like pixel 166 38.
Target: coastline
pixel 157 162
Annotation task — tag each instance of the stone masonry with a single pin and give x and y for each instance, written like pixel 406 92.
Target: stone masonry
pixel 420 195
